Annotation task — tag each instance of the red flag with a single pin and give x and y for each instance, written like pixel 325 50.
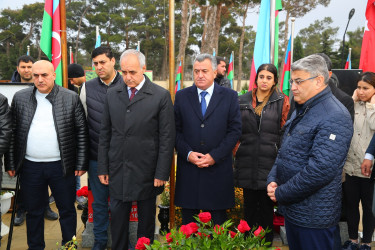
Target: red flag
pixel 71 57
pixel 367 61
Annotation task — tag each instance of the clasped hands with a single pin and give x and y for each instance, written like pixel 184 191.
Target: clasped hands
pixel 201 160
pixel 104 179
pixel 271 189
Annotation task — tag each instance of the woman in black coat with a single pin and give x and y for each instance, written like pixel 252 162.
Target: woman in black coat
pixel 264 111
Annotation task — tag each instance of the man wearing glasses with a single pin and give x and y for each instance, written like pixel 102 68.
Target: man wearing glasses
pixel 306 176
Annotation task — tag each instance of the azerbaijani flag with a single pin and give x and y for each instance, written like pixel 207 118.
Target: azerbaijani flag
pixel 284 86
pixel 50 41
pixel 348 64
pixel 262 48
pixel 279 7
pixel 367 61
pixel 71 57
pixel 231 70
pixel 178 79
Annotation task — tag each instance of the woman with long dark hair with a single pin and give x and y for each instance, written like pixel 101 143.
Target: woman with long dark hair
pixel 264 111
pixel 358 185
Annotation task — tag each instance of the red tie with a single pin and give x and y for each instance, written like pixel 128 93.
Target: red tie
pixel 133 90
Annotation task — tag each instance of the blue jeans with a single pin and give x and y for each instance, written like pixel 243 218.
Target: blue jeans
pixel 35 179
pixel 100 204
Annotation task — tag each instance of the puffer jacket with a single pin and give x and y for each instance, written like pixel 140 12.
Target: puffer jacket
pixel 259 145
pixel 364 128
pixel 5 127
pixel 70 123
pixel 309 164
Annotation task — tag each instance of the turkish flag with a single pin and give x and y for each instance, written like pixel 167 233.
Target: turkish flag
pixel 367 61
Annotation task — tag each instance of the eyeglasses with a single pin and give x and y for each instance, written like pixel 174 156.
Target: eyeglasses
pixel 298 81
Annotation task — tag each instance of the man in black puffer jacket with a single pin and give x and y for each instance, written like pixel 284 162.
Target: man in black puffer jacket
pixel 49 146
pixel 5 130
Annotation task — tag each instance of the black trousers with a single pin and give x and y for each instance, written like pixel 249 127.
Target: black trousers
pixel 359 189
pixel 258 210
pixel 120 212
pixel 35 179
pixel 218 216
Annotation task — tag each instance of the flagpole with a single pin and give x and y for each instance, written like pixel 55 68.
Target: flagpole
pixel 233 69
pixel 70 54
pixel 28 50
pixel 350 58
pixel 293 19
pixel 182 72
pixel 272 30
pixel 171 91
pixel 64 48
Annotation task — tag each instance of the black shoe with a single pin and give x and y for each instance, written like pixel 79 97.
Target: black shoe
pixel 50 215
pixel 19 219
pixel 99 245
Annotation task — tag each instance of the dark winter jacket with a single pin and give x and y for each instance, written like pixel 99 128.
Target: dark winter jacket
pixel 5 127
pixel 136 141
pixel 15 77
pixel 96 91
pixel 259 145
pixel 309 164
pixel 223 81
pixel 70 123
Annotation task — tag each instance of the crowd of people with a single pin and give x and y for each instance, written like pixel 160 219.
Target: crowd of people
pixel 123 128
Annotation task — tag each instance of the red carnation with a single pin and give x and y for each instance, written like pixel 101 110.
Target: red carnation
pixel 84 191
pixel 168 238
pixel 142 242
pixel 243 226
pixel 186 230
pixel 204 217
pixel 202 235
pixel 218 229
pixel 232 234
pixel 258 231
pixel 193 227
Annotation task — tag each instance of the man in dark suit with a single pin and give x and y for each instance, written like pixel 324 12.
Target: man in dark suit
pixel 208 125
pixel 135 147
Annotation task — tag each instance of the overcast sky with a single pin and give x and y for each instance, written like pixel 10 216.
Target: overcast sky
pixel 338 10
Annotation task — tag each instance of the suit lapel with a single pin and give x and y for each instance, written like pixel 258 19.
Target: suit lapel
pixel 123 90
pixel 142 93
pixel 215 100
pixel 194 101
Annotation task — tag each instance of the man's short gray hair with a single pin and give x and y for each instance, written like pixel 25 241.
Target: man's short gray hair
pixel 141 57
pixel 202 57
pixel 313 64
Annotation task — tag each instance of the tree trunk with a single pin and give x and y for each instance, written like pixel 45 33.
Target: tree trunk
pixel 239 74
pixel 209 37
pixel 185 30
pixel 204 26
pixel 215 38
pixel 79 30
pixel 26 38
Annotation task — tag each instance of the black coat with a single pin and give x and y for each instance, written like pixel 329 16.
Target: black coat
pixel 5 126
pixel 70 123
pixel 215 133
pixel 258 145
pixel 223 82
pixel 136 141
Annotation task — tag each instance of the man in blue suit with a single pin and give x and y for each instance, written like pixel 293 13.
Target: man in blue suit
pixel 208 125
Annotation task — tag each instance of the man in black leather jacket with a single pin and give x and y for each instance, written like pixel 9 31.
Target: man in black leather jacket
pixel 5 131
pixel 49 146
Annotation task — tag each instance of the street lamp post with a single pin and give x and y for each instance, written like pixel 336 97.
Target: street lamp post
pixel 351 13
